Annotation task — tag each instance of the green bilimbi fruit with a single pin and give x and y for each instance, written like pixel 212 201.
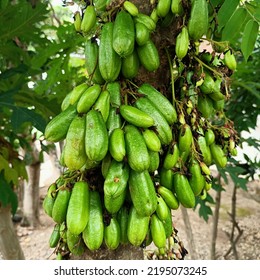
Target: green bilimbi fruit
pixel 74 150
pixel 176 7
pixel 112 234
pixel 109 61
pixel 183 190
pixel 77 92
pixel 130 65
pixel 93 233
pixel 185 138
pixel 136 150
pixel 59 210
pixel 57 128
pixel 103 104
pixel 145 20
pixel 122 217
pixel 230 60
pixel 162 208
pixel 135 116
pixel 95 136
pixel 158 232
pixel 197 181
pixel 75 243
pixel 152 141
pixel 77 21
pixel 154 161
pixel 89 19
pixel 66 101
pixel 114 120
pixel 106 162
pixel 142 33
pixel 163 7
pixel 166 178
pixel 78 208
pixel 49 199
pixel 115 94
pixel 149 56
pixel 55 236
pixel 182 43
pixel 205 106
pixel 209 136
pixel 142 192
pixel 117 144
pixel 218 105
pixel 115 186
pixel 91 55
pixel 100 5
pixel 123 34
pixel 168 197
pixel 208 85
pixel 88 98
pixel 171 157
pixel 131 8
pixel 204 149
pixel 137 227
pixel 161 125
pixel 168 226
pixel 218 155
pixel 198 22
pixel 162 104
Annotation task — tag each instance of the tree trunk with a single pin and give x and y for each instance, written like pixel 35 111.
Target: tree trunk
pixel 31 191
pixel 10 248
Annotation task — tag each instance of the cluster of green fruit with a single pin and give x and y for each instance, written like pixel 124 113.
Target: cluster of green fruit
pixel 132 153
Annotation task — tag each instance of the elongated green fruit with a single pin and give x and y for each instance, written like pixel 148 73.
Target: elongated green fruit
pixel 168 226
pixel 57 128
pixel 135 116
pixel 158 232
pixel 198 22
pixel 89 19
pixel 117 144
pixel 131 8
pixel 154 161
pixel 66 102
pixel 123 34
pixel 75 243
pixel 162 127
pixel 106 162
pixel 122 217
pixel 77 92
pixel 55 236
pixel 109 61
pixel 146 20
pixel 218 155
pixel 137 227
pixel 166 178
pixel 60 206
pixel 101 5
pixel 168 197
pixel 130 65
pixel 171 157
pixel 162 208
pixel 112 234
pixel 185 138
pixel 142 192
pixel 103 104
pixel 208 85
pixel 96 137
pixel 74 150
pixel 91 55
pixel 136 150
pixel 230 60
pixel 163 7
pixel 93 233
pixel 182 43
pixel 142 33
pixel 176 7
pixel 88 98
pixel 163 105
pixel 49 199
pixel 149 56
pixel 77 21
pixel 205 106
pixel 209 136
pixel 78 208
pixel 183 190
pixel 115 94
pixel 114 120
pixel 115 186
pixel 152 141
pixel 197 181
pixel 205 150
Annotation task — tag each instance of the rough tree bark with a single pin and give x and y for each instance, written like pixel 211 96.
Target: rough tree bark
pixel 10 248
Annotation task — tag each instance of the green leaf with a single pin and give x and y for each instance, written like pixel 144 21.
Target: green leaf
pixel 249 38
pixel 226 11
pixel 234 25
pixel 23 115
pixel 204 209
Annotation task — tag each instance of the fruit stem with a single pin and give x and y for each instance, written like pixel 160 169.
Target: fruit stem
pixel 172 76
pixel 205 65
